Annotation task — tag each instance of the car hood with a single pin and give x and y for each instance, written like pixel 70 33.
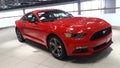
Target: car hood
pixel 80 24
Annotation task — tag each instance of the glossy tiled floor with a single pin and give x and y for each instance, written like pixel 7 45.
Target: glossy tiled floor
pixel 14 54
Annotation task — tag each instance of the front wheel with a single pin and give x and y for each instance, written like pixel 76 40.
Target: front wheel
pixel 19 35
pixel 56 47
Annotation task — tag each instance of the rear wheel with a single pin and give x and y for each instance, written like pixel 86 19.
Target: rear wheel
pixel 19 35
pixel 56 47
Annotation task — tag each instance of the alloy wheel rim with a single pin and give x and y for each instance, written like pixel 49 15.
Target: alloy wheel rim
pixel 19 35
pixel 56 47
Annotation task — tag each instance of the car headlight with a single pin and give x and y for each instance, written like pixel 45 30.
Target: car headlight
pixel 69 35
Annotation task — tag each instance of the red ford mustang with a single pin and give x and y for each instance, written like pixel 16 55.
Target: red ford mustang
pixel 63 34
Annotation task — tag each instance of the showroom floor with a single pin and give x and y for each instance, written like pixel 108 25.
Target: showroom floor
pixel 14 54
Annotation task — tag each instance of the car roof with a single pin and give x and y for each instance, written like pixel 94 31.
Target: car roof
pixel 42 10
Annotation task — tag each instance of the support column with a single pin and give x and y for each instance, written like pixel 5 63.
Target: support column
pixel 79 7
pixel 23 11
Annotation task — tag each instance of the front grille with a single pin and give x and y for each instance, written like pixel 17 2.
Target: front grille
pixel 101 33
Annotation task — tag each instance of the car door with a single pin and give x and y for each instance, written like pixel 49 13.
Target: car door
pixel 42 28
pixel 29 25
pixel 35 29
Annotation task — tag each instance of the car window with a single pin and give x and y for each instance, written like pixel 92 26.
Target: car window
pixel 53 14
pixel 24 18
pixel 30 18
pixel 45 16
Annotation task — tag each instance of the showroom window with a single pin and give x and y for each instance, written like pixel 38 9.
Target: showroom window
pixel 110 6
pixel 92 7
pixel 69 7
pixel 98 7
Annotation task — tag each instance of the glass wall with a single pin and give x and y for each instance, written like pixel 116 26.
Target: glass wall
pixel 92 8
pixel 8 18
pixel 97 8
pixel 71 7
pixel 89 8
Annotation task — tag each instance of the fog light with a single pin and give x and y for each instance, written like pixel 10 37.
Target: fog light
pixel 80 47
pixel 80 50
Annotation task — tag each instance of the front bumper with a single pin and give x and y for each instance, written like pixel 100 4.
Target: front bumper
pixel 88 51
pixel 85 47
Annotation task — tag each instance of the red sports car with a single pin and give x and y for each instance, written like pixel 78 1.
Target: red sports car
pixel 63 34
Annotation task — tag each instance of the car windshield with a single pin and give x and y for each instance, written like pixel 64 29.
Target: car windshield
pixel 53 14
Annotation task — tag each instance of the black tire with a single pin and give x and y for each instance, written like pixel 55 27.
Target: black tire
pixel 19 36
pixel 56 47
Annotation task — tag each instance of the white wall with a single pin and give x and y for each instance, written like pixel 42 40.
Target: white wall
pixel 8 18
pixel 8 22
